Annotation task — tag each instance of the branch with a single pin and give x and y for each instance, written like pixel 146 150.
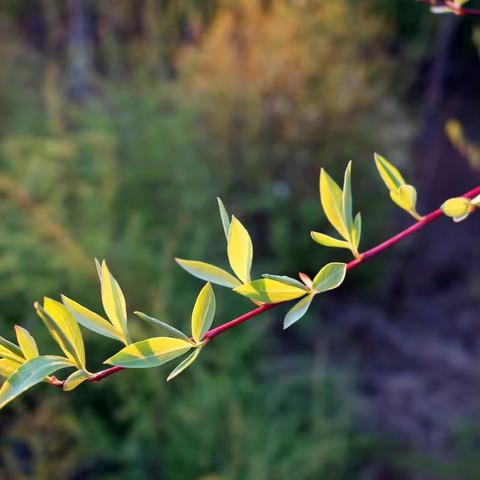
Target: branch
pixel 211 334
pixel 460 11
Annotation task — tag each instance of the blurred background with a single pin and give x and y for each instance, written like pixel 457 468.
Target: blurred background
pixel 121 121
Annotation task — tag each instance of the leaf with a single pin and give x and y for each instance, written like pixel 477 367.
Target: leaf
pixel 298 311
pixel 329 277
pixel 98 266
pixel 328 241
pixel 64 330
pixel 26 342
pixel 224 216
pixel 347 198
pixel 240 250
pixel 390 175
pixel 456 207
pixel 114 302
pixel 405 197
pixel 209 273
pixel 29 374
pixel 357 230
pixel 270 291
pixel 332 203
pixel 10 351
pixel 203 312
pixel 164 326
pixel 76 379
pixel 440 9
pixel 476 201
pixel 91 320
pixel 283 279
pixel 7 367
pixel 184 364
pixel 150 353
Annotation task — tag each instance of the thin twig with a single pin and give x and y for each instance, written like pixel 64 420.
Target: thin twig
pixel 268 306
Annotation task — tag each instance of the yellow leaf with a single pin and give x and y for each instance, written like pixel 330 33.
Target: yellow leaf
pixel 76 379
pixel 456 207
pixel 347 197
pixel 149 353
pixel 209 273
pixel 64 329
pixel 331 199
pixel 114 301
pixel 328 241
pixel 270 291
pixel 357 230
pixel 203 312
pixel 10 351
pixel 390 175
pixel 240 250
pixel 26 343
pixel 92 321
pixel 406 197
pixel 7 367
pixel 184 364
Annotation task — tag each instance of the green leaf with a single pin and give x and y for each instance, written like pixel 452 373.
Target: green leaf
pixel 224 216
pixel 390 175
pixel 270 291
pixel 114 302
pixel 10 351
pixel 150 353
pixel 64 330
pixel 209 273
pixel 76 379
pixel 331 197
pixel 456 207
pixel 164 326
pixel 328 241
pixel 240 250
pixel 27 343
pixel 203 312
pixel 329 277
pixel 8 367
pixel 298 311
pixel 184 364
pixel 357 230
pixel 283 279
pixel 91 320
pixel 347 198
pixel 29 374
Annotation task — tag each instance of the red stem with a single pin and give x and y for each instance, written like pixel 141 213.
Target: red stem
pixel 457 10
pixel 263 308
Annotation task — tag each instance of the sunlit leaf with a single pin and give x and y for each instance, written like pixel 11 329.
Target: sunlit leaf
pixel 224 216
pixel 26 343
pixel 457 207
pixel 184 364
pixel 98 266
pixel 329 277
pixel 240 250
pixel 476 201
pixel 91 320
pixel 357 230
pixel 347 197
pixel 29 374
pixel 390 175
pixel 283 279
pixel 150 353
pixel 328 241
pixel 298 310
pixel 7 367
pixel 332 202
pixel 162 325
pixel 203 312
pixel 114 302
pixel 76 379
pixel 405 197
pixel 64 329
pixel 10 351
pixel 270 291
pixel 209 273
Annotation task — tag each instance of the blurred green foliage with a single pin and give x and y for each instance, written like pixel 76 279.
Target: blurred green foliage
pixel 178 102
